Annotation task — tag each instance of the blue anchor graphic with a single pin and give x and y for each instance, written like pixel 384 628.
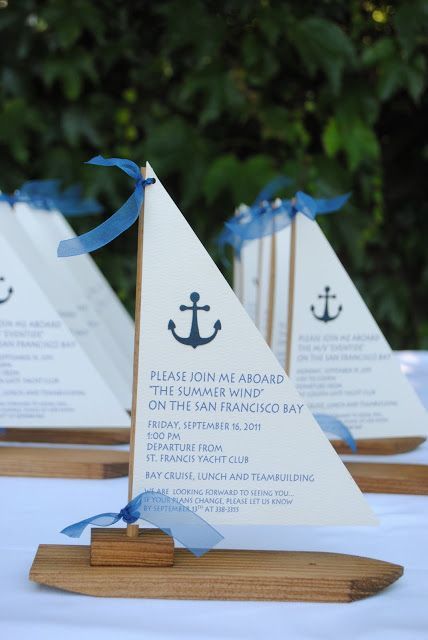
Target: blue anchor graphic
pixel 326 317
pixel 9 292
pixel 194 339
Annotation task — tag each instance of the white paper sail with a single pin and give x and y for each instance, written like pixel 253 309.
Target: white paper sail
pixel 98 290
pixel 249 263
pixel 74 302
pixel 344 366
pixel 47 380
pixel 218 424
pixel 254 277
pixel 280 304
pixel 264 270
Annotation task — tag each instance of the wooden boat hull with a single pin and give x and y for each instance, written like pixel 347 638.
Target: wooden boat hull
pixel 219 575
pixel 96 435
pixel 44 462
pixel 380 477
pixel 380 446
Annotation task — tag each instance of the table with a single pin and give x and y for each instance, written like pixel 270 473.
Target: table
pixel 33 511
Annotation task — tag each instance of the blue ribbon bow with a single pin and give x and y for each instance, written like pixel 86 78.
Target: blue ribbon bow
pixel 166 513
pixel 247 214
pixel 268 218
pixel 119 221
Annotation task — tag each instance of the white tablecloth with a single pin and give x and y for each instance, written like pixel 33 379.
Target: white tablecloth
pixel 34 510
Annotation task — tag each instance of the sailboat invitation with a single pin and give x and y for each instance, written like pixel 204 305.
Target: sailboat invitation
pixel 75 302
pixel 339 357
pixel 219 436
pixel 327 340
pixel 26 236
pixel 47 379
pixel 51 390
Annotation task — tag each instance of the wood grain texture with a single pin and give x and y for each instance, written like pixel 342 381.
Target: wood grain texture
pixel 379 446
pixel 138 294
pixel 373 477
pixel 114 548
pixel 95 435
pixel 43 462
pixel 220 575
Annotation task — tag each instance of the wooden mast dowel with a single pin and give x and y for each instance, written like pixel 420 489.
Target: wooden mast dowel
pixel 133 529
pixel 291 285
pixel 154 548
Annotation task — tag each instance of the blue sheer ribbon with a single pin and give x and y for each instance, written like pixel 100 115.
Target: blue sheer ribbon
pixel 166 513
pixel 119 221
pixel 12 198
pixel 47 195
pixel 246 214
pixel 269 218
pixel 334 426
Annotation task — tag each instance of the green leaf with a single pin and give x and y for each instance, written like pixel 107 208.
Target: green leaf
pixel 380 50
pixel 415 77
pixel 350 134
pixel 411 21
pixel 220 176
pixel 331 138
pixel 360 144
pixel 323 45
pixel 390 79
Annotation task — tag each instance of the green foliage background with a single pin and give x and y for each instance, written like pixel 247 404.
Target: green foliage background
pixel 223 95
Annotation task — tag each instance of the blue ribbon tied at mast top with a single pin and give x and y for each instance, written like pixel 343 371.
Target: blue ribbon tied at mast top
pixel 119 222
pixel 267 218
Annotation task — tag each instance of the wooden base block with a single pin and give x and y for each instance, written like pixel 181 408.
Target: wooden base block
pixel 95 435
pixel 374 477
pixel 114 548
pixel 220 575
pixel 43 462
pixel 380 446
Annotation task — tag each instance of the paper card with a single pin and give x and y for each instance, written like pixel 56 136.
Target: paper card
pixel 249 262
pixel 47 380
pixel 280 306
pixel 264 271
pixel 237 277
pixel 340 361
pixel 73 304
pixel 99 292
pixel 218 425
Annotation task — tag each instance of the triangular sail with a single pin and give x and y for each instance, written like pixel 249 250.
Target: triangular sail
pixel 218 425
pixel 340 361
pixel 73 301
pixel 99 291
pixel 47 379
